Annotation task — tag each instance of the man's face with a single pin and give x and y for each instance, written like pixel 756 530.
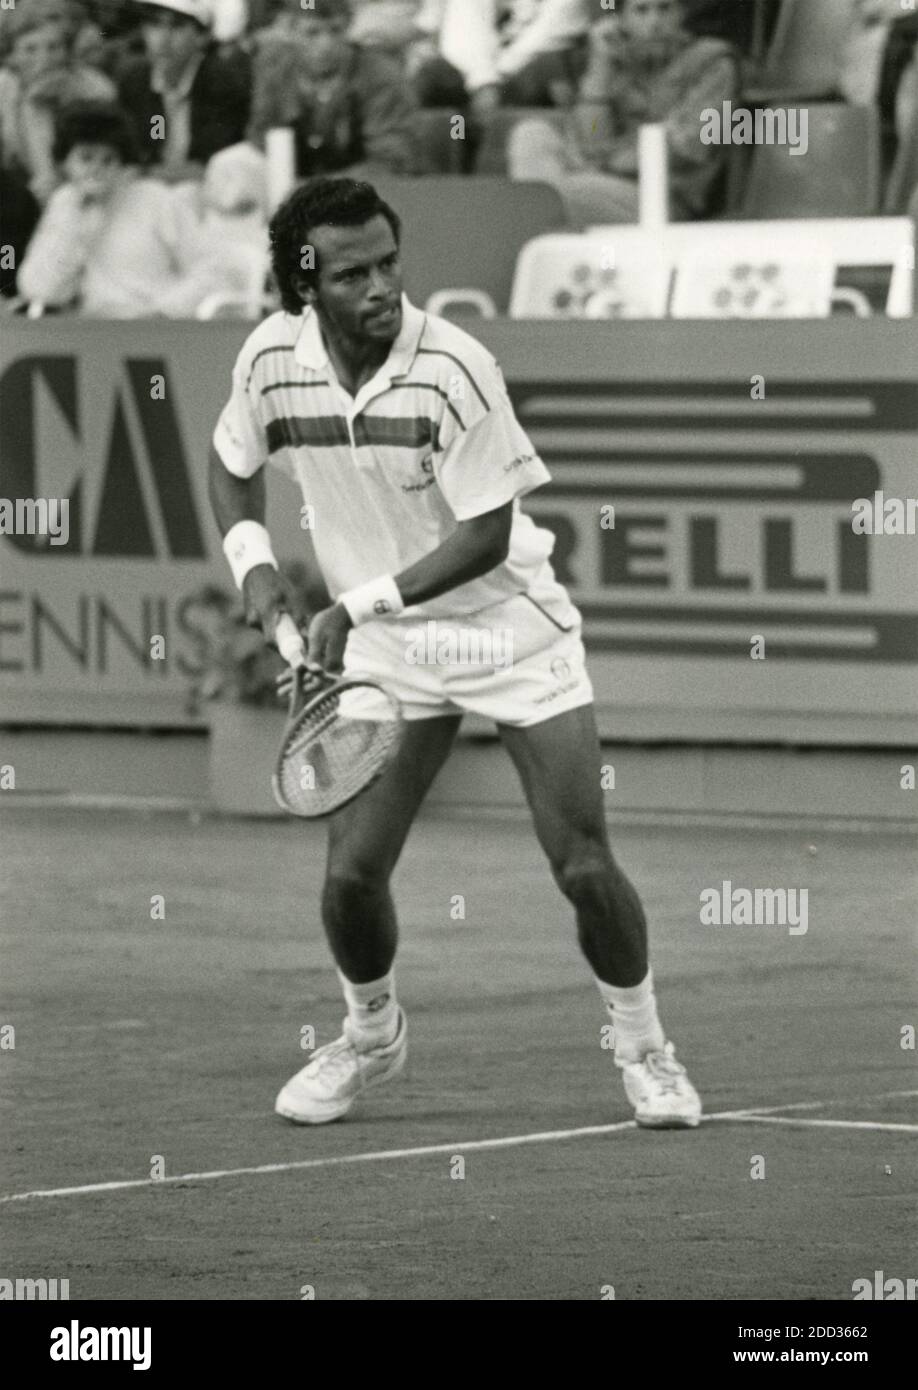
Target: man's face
pixel 359 289
pixel 653 24
pixel 93 170
pixel 322 40
pixel 39 51
pixel 172 40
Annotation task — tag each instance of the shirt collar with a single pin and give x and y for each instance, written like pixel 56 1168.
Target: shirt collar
pixel 310 350
pixel 182 89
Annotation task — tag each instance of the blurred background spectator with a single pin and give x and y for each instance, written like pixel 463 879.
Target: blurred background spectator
pixel 350 108
pixel 516 52
pixel 352 78
pixel 201 95
pixel 409 32
pixel 228 231
pixel 40 76
pixel 643 67
pixel 110 243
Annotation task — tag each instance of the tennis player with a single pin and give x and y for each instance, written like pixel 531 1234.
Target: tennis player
pixel 399 430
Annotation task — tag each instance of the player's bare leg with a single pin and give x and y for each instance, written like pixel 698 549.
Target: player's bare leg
pixel 364 842
pixel 558 761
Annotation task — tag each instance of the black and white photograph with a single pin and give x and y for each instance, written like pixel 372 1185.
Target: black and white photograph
pixel 459 667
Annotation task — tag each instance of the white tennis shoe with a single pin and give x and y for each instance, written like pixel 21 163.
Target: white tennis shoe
pixel 338 1073
pixel 660 1091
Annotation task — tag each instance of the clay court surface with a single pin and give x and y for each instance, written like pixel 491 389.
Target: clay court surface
pixel 137 1037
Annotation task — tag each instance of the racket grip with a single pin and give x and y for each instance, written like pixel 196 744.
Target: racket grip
pixel 289 641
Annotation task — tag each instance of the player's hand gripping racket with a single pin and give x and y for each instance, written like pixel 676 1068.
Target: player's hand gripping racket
pixel 341 733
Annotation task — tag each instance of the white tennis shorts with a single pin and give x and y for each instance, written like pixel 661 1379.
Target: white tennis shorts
pixel 517 662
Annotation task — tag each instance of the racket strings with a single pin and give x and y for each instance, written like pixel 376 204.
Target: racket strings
pixel 330 756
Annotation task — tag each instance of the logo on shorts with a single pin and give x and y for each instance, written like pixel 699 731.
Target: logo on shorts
pixel 427 464
pixel 561 669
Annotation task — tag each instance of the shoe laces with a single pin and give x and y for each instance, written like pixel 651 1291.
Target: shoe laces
pixel 333 1058
pixel 664 1068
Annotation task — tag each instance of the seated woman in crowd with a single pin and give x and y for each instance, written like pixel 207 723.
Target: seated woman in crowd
pixel 111 244
pixel 39 78
pixel 644 68
pixel 349 107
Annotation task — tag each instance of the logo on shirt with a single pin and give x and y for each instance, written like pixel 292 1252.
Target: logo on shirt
pixel 519 462
pixel 427 468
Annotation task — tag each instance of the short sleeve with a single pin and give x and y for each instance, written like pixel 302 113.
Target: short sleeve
pixel 239 437
pixel 491 461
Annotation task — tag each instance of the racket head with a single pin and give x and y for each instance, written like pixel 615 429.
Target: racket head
pixel 341 734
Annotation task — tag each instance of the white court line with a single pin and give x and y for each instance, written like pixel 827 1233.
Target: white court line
pixel 334 1160
pixel 751 1119
pixel 760 1115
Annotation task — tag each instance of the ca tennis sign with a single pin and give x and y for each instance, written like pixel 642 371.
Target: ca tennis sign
pixel 692 515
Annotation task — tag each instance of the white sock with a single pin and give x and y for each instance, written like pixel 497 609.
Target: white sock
pixel 634 1017
pixel 372 1008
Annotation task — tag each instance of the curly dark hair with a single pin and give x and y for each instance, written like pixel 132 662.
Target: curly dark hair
pixel 95 123
pixel 320 202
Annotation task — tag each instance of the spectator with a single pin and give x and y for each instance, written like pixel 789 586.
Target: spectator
pixel 228 227
pixel 348 106
pixel 40 78
pixel 643 67
pixel 186 98
pixel 408 31
pixel 516 52
pixel 109 243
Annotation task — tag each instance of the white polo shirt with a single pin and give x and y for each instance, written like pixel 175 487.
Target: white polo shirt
pixel 431 440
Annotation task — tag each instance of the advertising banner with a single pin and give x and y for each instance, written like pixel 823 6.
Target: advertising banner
pixel 733 505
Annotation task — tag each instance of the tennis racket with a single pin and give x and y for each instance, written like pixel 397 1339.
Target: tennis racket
pixel 340 736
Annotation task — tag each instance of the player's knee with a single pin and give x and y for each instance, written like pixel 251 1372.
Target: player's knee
pixel 352 888
pixel 586 875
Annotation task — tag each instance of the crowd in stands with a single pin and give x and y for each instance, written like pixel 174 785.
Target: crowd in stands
pixel 132 132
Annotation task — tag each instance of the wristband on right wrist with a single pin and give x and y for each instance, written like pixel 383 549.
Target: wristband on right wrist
pixel 246 545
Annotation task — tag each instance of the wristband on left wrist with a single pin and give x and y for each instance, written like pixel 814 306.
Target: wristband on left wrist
pixel 380 598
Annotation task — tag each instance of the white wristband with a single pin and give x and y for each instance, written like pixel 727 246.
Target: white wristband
pixel 246 545
pixel 378 599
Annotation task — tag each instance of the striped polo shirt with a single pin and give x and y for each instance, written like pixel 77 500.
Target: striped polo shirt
pixel 430 441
